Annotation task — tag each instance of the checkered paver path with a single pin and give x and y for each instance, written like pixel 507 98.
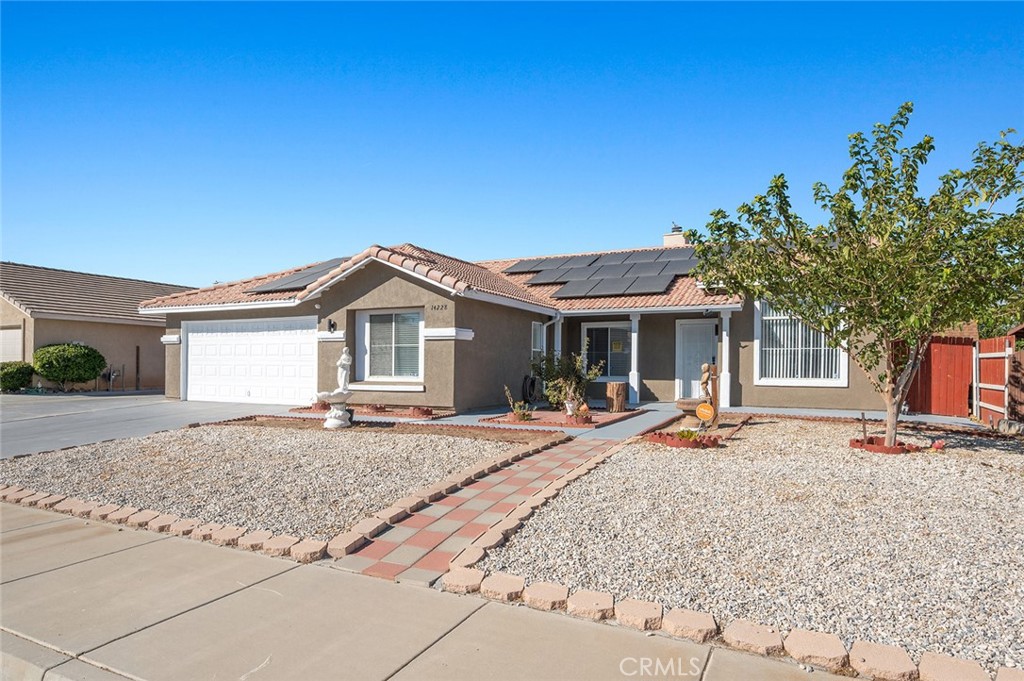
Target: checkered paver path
pixel 419 547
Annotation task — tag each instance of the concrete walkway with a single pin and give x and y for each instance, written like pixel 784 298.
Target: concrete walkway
pixel 96 602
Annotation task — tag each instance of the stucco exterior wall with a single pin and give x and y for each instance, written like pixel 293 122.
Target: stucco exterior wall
pixel 116 342
pixel 858 395
pixel 498 355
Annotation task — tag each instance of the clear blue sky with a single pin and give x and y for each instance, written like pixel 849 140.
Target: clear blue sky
pixel 197 142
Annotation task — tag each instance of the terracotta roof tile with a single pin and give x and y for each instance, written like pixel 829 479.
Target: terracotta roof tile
pixel 49 291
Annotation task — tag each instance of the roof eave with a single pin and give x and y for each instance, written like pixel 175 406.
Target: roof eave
pixel 215 307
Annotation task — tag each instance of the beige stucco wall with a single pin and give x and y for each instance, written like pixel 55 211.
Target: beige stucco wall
pixel 498 355
pixel 13 318
pixel 858 395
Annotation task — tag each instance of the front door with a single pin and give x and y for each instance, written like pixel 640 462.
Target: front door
pixel 696 344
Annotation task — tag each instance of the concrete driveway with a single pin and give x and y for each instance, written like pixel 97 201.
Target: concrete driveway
pixel 38 423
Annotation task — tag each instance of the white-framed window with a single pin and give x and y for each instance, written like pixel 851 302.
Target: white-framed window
pixel 536 341
pixel 390 344
pixel 787 352
pixel 610 342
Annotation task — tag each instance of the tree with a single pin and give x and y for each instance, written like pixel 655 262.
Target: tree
pixel 891 268
pixel 67 363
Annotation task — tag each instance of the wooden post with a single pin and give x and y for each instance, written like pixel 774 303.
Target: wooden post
pixel 615 394
pixel 714 394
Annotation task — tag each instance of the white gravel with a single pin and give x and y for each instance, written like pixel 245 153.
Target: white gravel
pixel 790 527
pixel 309 483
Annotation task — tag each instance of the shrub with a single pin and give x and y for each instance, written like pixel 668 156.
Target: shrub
pixel 15 375
pixel 68 363
pixel 566 377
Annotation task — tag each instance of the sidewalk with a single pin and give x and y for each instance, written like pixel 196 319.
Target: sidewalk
pixel 91 601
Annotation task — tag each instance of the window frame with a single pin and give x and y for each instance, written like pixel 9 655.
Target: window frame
pixel 537 332
pixel 843 381
pixel 363 345
pixel 628 326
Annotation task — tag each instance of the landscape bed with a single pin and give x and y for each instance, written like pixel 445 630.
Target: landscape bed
pixel 288 476
pixel 788 526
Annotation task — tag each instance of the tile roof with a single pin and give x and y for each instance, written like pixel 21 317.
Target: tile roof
pixel 458 275
pixel 44 291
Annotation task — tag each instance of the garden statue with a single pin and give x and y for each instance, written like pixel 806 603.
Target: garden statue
pixel 705 380
pixel 338 416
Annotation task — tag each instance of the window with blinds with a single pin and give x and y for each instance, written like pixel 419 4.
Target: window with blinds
pixel 609 344
pixel 394 344
pixel 791 351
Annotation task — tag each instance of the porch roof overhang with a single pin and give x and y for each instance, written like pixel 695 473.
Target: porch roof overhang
pixel 731 307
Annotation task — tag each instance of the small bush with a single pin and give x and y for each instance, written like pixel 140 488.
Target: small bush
pixel 68 363
pixel 15 375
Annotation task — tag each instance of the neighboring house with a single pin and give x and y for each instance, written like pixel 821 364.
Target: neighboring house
pixel 428 329
pixel 42 306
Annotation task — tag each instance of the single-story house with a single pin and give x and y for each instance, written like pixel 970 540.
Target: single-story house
pixel 429 329
pixel 43 306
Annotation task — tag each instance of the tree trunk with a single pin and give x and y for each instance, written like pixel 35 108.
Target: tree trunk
pixel 616 397
pixel 892 417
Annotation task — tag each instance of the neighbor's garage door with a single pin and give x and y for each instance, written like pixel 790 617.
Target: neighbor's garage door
pixel 267 361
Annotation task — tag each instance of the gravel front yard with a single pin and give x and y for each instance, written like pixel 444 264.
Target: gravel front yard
pixel 789 526
pixel 309 483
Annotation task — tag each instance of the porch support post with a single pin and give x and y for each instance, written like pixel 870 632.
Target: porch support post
pixel 725 378
pixel 634 358
pixel 558 337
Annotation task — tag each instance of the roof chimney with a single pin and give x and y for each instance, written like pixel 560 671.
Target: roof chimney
pixel 675 238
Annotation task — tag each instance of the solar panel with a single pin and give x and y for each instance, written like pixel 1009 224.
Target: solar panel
pixel 658 284
pixel 611 259
pixel 523 266
pixel 612 271
pixel 575 289
pixel 611 287
pixel 676 254
pixel 299 280
pixel 580 273
pixel 646 269
pixel 580 261
pixel 644 256
pixel 679 267
pixel 548 277
pixel 550 263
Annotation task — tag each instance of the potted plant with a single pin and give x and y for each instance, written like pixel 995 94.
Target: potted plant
pixel 521 411
pixel 566 378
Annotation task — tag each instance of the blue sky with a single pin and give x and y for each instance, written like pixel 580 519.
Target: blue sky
pixel 190 143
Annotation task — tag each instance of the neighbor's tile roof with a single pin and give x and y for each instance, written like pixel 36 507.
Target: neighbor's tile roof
pixel 48 291
pixel 456 274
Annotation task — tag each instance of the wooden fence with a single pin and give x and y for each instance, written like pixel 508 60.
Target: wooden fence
pixel 998 382
pixel 1015 387
pixel 943 382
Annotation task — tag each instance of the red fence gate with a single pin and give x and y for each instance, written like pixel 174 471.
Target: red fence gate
pixel 943 382
pixel 995 360
pixel 1016 386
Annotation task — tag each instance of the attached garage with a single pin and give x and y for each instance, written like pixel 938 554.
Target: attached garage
pixel 11 345
pixel 262 361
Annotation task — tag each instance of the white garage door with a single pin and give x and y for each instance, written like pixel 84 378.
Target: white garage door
pixel 10 345
pixel 269 361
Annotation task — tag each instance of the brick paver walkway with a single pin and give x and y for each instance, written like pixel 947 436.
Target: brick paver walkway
pixel 419 547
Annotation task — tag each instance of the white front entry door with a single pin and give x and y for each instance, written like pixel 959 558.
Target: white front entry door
pixel 696 344
pixel 266 361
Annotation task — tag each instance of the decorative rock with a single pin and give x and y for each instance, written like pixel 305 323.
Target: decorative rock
pixel 253 541
pixel 642 615
pixel 344 544
pixel 183 528
pixel 501 586
pixel 308 550
pixel 462 580
pixel 205 531
pixel 122 514
pixel 469 556
pixel 279 545
pixel 141 518
pixel 162 522
pixel 593 605
pixel 696 626
pixel 753 638
pixel 489 539
pixel 936 667
pixel 102 512
pixel 227 535
pixel 817 648
pixel 886 663
pixel 545 596
pixel 370 527
pixel 51 501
